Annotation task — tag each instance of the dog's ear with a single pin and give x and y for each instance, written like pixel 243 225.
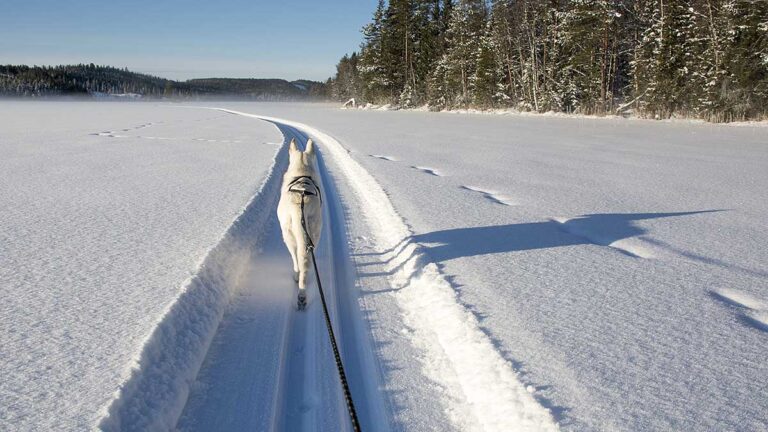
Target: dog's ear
pixel 292 146
pixel 310 147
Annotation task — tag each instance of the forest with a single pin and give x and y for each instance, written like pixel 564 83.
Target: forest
pixel 106 81
pixel 704 59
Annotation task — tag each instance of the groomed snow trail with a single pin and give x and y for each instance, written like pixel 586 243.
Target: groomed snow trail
pixel 271 367
pixel 482 390
pixel 232 353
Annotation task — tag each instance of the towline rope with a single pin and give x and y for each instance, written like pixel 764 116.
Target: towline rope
pixel 336 355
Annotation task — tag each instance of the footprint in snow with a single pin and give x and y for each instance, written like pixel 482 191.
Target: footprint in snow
pixel 114 134
pixel 109 134
pixel 430 171
pixel 216 140
pixel 754 311
pixel 493 196
pixel 156 138
pixel 382 157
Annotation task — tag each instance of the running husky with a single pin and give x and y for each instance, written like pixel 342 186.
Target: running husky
pixel 300 184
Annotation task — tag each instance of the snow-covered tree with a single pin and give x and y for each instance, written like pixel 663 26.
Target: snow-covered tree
pixel 462 38
pixel 372 63
pixel 705 58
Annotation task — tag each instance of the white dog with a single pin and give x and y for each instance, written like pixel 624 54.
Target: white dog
pixel 300 182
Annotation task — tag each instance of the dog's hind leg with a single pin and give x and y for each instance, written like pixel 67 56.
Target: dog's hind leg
pixel 295 265
pixel 290 242
pixel 302 264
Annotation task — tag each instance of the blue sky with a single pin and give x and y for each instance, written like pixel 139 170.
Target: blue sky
pixel 186 39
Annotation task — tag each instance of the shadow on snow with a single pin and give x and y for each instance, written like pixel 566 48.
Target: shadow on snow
pixel 600 229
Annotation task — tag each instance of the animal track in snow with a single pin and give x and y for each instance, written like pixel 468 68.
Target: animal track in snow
pixel 382 157
pixel 157 138
pixel 115 134
pixel 430 171
pixel 754 311
pixel 582 227
pixel 109 134
pixel 141 126
pixel 216 141
pixel 492 196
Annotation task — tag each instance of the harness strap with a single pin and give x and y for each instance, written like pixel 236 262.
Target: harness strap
pixel 305 185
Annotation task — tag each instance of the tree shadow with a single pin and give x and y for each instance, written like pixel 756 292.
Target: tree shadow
pixel 601 229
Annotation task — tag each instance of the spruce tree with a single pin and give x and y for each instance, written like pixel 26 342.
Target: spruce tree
pixel 486 82
pixel 465 29
pixel 744 89
pixel 371 65
pixel 592 37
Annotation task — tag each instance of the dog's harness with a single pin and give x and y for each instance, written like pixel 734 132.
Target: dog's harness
pixel 305 185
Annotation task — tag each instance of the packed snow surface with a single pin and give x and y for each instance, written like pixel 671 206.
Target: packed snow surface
pixel 486 273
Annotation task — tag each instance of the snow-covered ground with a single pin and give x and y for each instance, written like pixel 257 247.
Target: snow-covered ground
pixel 107 211
pixel 485 272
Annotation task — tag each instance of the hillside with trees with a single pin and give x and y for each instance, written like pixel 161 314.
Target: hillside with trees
pixel 703 59
pixel 105 81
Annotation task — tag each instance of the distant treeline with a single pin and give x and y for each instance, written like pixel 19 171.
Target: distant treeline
pixel 660 58
pixel 106 81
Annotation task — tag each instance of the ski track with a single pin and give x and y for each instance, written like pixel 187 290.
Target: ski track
pixel 233 340
pixel 484 392
pixel 310 398
pixel 208 362
pixel 294 384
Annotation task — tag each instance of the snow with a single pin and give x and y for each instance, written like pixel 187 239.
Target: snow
pixel 483 272
pixel 100 238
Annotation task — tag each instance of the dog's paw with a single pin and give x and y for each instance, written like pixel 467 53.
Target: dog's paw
pixel 302 302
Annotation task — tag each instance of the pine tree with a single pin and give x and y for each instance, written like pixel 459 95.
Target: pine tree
pixel 398 43
pixel 347 83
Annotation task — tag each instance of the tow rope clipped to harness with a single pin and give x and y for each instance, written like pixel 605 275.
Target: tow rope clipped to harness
pixel 306 186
